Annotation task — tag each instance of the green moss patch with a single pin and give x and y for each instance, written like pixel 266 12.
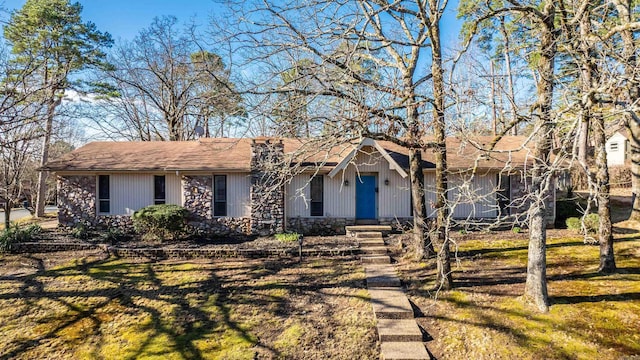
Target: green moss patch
pixel 591 316
pixel 175 310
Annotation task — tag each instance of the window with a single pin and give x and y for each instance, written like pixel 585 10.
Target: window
pixel 220 195
pixel 613 147
pixel 104 203
pixel 159 190
pixel 504 194
pixel 317 193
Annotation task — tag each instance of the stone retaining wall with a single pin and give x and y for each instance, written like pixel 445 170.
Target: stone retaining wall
pixel 319 225
pixel 171 253
pixel 39 247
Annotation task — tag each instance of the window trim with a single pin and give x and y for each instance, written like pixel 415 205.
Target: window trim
pixel 159 200
pixel 100 199
pixel 226 197
pixel 319 211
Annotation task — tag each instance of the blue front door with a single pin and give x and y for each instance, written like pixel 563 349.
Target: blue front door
pixel 366 197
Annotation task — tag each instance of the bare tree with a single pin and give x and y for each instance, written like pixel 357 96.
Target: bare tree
pixel 541 17
pixel 397 105
pixel 623 32
pixel 163 84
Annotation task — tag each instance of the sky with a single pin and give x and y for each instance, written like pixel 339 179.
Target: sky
pixel 123 19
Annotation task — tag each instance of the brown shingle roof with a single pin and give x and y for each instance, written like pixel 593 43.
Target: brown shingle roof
pixel 225 154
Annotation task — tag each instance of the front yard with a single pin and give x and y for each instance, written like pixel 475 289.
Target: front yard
pixel 92 307
pixel 85 305
pixel 592 316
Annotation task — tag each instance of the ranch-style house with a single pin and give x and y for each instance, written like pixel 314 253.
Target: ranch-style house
pixel 263 186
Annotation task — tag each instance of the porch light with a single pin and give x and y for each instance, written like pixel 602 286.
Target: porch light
pixel 346 183
pixel 386 182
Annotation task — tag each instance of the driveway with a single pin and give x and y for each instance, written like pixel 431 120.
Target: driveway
pixel 19 213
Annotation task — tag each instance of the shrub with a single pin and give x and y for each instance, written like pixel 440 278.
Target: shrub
pixel 516 230
pixel 574 223
pixel 16 234
pixel 591 223
pixel 80 231
pixel 287 237
pixel 112 235
pixel 160 221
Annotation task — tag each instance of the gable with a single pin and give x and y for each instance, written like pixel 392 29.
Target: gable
pixel 360 150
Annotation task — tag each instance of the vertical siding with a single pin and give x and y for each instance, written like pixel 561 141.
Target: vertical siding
pixel 130 192
pixel 616 157
pixel 238 195
pixel 340 200
pixel 173 185
pixel 297 196
pixel 430 193
pixel 471 197
pixel 393 200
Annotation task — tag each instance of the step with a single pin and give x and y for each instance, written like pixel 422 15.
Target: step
pixel 403 351
pixel 371 242
pixel 353 229
pixel 369 235
pixel 383 275
pixel 390 303
pixel 395 330
pixel 375 259
pixel 373 250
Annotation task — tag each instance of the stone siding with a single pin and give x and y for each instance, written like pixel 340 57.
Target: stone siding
pixel 335 226
pixel 267 188
pixel 198 200
pixel 319 225
pixel 76 200
pixel 122 222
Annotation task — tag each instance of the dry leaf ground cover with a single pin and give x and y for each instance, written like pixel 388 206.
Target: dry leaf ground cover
pixel 95 308
pixel 592 316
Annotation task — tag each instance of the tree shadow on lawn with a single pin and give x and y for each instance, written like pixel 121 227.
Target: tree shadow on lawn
pixel 184 303
pixel 484 286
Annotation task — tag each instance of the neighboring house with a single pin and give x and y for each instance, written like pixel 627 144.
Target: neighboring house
pixel 240 186
pixel 617 148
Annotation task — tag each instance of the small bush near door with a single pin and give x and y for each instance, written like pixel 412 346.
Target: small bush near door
pixel 159 221
pixel 591 223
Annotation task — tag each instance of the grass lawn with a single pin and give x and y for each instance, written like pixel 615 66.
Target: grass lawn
pixel 592 316
pixel 93 307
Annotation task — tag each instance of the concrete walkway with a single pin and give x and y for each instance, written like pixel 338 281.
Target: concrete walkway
pixel 399 334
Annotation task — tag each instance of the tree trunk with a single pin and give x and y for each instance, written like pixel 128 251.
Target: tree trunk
pixel 634 142
pixel 589 77
pixel 633 93
pixel 535 291
pixel 605 236
pixel 444 280
pixel 583 140
pixel 422 245
pixel 7 214
pixel 41 200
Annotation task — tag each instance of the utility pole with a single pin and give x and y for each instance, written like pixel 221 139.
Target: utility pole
pixel 493 100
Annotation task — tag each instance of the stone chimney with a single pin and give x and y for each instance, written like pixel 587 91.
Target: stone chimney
pixel 267 187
